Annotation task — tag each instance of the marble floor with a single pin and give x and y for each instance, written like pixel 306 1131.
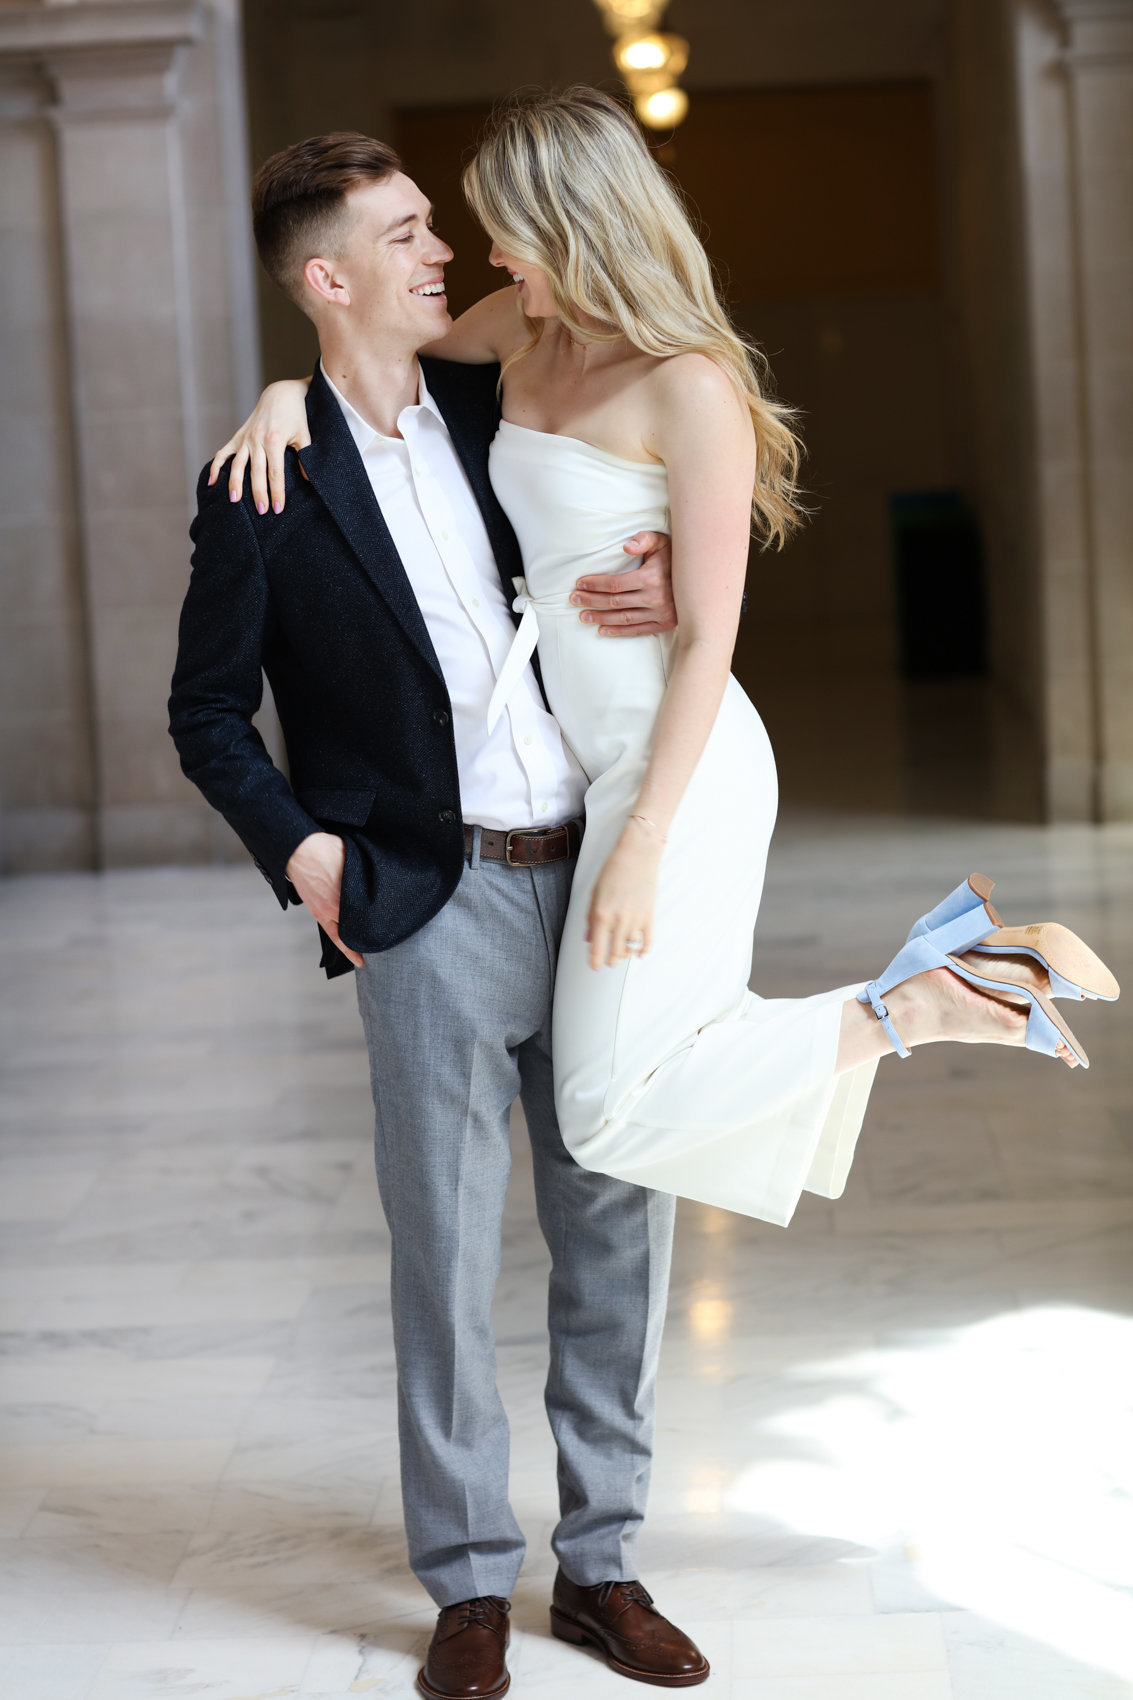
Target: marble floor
pixel 894 1459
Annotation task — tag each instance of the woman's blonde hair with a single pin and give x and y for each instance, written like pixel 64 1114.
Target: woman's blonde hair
pixel 566 182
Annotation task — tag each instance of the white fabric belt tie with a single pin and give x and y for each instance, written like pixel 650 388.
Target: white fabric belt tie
pixel 523 645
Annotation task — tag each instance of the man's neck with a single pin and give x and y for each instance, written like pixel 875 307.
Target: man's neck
pixel 377 382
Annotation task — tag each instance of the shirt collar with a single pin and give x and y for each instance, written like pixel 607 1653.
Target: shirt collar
pixel 364 434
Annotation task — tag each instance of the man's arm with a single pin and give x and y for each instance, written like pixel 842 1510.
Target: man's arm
pixel 642 605
pixel 218 687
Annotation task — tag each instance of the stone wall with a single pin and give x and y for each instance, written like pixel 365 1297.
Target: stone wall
pixel 129 342
pixel 1044 196
pixel 129 331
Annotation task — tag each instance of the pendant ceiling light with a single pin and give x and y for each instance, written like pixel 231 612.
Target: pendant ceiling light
pixel 650 61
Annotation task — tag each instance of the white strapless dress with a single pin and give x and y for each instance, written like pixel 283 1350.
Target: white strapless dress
pixel 669 1072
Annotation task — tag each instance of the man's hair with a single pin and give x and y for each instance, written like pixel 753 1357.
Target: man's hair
pixel 299 200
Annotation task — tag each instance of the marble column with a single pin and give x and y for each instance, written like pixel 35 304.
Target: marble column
pixel 1099 69
pixel 126 122
pixel 1075 93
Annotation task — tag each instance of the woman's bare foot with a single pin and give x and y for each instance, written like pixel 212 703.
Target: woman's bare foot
pixel 940 1005
pixel 1019 970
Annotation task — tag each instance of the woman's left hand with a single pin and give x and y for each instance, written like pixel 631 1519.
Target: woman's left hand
pixel 623 899
pixel 278 423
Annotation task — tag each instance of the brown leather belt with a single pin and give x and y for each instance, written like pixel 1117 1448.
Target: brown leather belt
pixel 527 847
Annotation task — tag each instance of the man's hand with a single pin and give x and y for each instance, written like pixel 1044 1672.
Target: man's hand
pixel 315 870
pixel 642 605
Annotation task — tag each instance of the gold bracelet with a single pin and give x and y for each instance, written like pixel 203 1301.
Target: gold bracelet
pixel 652 825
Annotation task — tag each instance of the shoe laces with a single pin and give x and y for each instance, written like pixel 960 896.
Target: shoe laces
pixel 485 1610
pixel 629 1594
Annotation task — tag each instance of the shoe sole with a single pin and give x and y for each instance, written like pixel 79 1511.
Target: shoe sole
pixel 484 1694
pixel 1060 949
pixel 566 1629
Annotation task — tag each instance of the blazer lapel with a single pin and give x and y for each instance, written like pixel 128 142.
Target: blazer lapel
pixel 472 425
pixel 334 467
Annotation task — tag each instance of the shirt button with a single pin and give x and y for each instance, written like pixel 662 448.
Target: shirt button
pixel 447 816
pixel 444 536
pixel 441 717
pixel 475 602
pixel 528 739
pixel 542 808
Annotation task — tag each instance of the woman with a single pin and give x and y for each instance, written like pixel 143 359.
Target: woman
pixel 629 401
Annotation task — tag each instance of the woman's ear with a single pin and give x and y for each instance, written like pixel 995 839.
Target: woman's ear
pixel 322 276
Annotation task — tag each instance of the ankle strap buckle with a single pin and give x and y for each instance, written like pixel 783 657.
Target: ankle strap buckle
pixel 872 996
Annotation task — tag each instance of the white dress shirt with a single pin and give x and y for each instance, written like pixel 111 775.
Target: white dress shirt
pixel 520 773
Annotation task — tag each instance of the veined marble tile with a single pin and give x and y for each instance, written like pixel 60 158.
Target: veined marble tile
pixel 342 1666
pixel 103 1461
pixel 340 1462
pixel 131 1511
pixel 53 1673
pixel 143 1307
pixel 986 1658
pixel 17 1508
pixel 296 1505
pixel 95 1617
pixel 1008 1214
pixel 39 1197
pixel 96 1561
pixel 218 1670
pixel 840 1646
pixel 390 1611
pixel 96 1377
pixel 876 1685
pixel 287 1555
pixel 199 1243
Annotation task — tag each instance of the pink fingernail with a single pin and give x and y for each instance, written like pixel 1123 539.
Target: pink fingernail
pixel 261 507
pixel 234 495
pixel 277 507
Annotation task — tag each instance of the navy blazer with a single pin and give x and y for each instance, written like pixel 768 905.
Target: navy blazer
pixel 318 599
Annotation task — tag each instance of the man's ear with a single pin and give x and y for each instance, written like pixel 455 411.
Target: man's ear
pixel 323 277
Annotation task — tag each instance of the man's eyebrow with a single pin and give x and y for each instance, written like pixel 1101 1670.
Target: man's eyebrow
pixel 406 218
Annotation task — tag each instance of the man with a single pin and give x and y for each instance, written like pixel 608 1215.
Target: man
pixel 436 858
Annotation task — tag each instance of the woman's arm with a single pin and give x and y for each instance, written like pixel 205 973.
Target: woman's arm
pixel 702 431
pixel 278 422
pixel 491 330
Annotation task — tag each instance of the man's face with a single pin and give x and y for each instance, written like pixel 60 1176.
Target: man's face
pixel 392 265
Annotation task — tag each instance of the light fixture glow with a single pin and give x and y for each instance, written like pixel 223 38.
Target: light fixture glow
pixel 664 109
pixel 649 60
pixel 643 55
pixel 622 17
pixel 652 52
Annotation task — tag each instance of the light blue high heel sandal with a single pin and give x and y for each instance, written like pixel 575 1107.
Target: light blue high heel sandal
pixel 1073 969
pixel 962 922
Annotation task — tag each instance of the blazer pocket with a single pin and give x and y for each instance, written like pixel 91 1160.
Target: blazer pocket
pixel 350 808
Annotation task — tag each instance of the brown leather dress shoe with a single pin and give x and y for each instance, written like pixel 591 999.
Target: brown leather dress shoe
pixel 620 1619
pixel 466 1658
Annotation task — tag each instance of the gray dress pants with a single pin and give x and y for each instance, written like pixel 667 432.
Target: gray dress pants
pixel 458 1023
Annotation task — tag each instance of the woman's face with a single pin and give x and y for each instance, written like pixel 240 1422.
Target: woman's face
pixel 531 284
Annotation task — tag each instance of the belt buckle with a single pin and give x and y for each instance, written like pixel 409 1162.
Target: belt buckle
pixel 540 832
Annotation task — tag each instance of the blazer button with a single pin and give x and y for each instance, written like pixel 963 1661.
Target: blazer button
pixel 447 816
pixel 441 717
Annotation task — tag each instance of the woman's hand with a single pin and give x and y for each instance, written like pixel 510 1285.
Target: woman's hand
pixel 623 899
pixel 278 423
